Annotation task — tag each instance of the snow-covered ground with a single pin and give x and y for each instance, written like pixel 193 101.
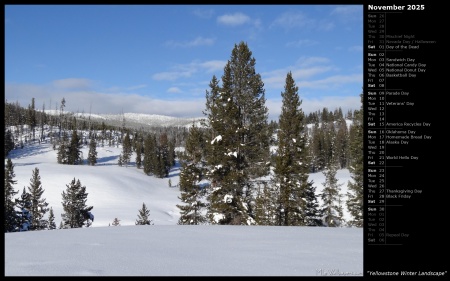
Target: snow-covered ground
pixel 165 248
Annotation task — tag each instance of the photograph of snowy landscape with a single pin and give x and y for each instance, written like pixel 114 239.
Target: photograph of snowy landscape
pixel 231 144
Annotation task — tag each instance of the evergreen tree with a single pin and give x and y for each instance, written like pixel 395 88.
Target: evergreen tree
pixel 74 153
pixel 239 144
pixel 61 113
pixel 159 163
pixel 9 142
pixel 31 118
pixel 313 213
pixel 316 149
pixel 139 151
pixel 341 145
pixel 265 206
pixel 42 122
pixel 144 216
pixel 331 207
pixel 76 212
pixel 62 157
pixel 24 215
pixel 126 150
pixel 291 165
pixel 149 154
pixel 51 220
pixel 164 154
pixel 38 206
pixel 116 222
pixel 92 155
pixel 171 153
pixel 355 194
pixel 190 176
pixel 10 215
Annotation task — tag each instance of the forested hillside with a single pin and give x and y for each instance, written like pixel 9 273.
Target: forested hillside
pixel 237 167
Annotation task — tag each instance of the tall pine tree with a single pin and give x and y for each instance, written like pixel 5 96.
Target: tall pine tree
pixel 239 141
pixel 10 215
pixel 291 165
pixel 38 204
pixel 331 200
pixel 192 172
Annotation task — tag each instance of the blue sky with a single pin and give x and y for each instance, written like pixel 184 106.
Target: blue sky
pixel 159 59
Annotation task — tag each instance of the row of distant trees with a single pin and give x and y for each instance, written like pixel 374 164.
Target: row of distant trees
pixel 328 136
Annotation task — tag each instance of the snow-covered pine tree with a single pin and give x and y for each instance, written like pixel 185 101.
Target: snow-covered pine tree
pixel 62 157
pixel 74 153
pixel 31 118
pixel 313 213
pixel 315 148
pixel 51 220
pixel 355 192
pixel 24 214
pixel 10 218
pixel 38 207
pixel 139 150
pixel 265 208
pixel 9 142
pixel 163 165
pixel 192 172
pixel 92 155
pixel 239 144
pixel 331 207
pixel 341 147
pixel 149 154
pixel 144 216
pixel 126 150
pixel 74 205
pixel 291 162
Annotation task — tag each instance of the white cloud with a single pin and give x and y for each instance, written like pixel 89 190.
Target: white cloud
pixel 174 90
pixel 314 104
pixel 213 65
pixel 187 70
pixel 277 78
pixel 73 83
pixel 233 19
pixel 357 48
pixel 102 102
pixel 204 14
pixel 349 12
pixel 291 20
pixel 172 75
pixel 302 43
pixel 136 87
pixel 199 41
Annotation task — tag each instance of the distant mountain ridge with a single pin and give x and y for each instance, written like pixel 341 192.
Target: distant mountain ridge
pixel 136 119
